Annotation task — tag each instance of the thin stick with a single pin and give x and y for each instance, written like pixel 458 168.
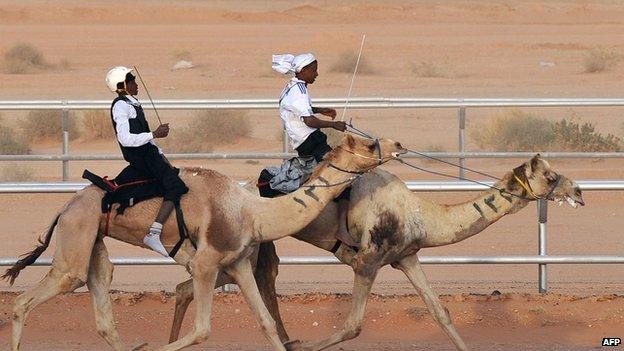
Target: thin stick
pixel 148 94
pixel 344 111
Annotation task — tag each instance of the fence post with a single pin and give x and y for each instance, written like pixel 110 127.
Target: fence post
pixel 65 136
pixel 542 212
pixel 461 116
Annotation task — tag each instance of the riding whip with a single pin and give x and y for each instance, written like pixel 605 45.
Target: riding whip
pixel 148 94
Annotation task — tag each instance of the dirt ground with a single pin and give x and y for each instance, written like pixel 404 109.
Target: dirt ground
pixel 517 322
pixel 521 49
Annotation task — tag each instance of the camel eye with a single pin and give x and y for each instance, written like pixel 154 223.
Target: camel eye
pixel 371 147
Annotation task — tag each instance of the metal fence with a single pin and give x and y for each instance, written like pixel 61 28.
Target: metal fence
pixel 542 259
pixel 461 105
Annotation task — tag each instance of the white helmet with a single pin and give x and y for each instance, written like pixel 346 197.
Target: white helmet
pixel 116 75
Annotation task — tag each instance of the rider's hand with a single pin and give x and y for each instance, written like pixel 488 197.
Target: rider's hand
pixel 162 131
pixel 340 125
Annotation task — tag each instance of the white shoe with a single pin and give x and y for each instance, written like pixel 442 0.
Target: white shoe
pixel 152 240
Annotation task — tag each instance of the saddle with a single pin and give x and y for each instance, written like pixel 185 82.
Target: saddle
pixel 127 190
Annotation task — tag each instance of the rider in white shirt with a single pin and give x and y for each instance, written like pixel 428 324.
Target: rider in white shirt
pixel 303 128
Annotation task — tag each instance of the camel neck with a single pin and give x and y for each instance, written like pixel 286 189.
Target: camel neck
pixel 286 215
pixel 454 223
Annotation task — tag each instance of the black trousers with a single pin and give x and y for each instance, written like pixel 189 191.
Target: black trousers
pixel 316 145
pixel 151 165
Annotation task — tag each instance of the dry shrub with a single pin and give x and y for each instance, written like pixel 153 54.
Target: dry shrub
pixel 14 172
pixel 516 131
pixel 599 60
pixel 46 124
pixel 181 55
pixel 11 142
pixel 519 131
pixel 432 148
pixel 65 65
pixel 24 58
pixel 208 129
pixel 572 136
pixel 346 64
pixel 96 124
pixel 427 69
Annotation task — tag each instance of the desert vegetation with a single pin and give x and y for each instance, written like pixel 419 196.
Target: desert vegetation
pixel 346 64
pixel 208 129
pixel 520 131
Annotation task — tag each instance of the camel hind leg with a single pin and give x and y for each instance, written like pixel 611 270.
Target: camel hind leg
pixel 412 269
pixel 242 273
pixel 265 274
pixel 75 232
pixel 184 296
pixel 98 281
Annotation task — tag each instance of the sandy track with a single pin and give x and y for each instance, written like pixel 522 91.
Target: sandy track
pixel 505 322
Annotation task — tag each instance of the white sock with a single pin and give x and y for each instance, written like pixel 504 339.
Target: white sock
pixel 152 239
pixel 156 228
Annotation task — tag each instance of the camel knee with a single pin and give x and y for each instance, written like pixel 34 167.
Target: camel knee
pixel 353 332
pixel 70 282
pixel 444 316
pixel 201 335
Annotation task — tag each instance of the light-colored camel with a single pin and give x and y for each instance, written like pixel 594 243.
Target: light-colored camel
pixel 393 224
pixel 226 221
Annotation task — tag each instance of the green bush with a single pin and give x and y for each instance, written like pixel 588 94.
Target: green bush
pixel 47 124
pixel 519 131
pixel 572 136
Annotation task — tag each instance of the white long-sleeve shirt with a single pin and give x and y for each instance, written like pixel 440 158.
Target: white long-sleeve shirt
pixel 122 113
pixel 295 104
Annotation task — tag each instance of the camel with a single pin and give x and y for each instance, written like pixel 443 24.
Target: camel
pixel 226 221
pixel 392 225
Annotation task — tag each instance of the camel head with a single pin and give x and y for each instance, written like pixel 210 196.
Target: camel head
pixel 543 182
pixel 361 154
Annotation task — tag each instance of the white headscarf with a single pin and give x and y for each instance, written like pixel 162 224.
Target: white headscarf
pixel 288 63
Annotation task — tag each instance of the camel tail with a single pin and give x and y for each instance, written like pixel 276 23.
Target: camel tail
pixel 30 258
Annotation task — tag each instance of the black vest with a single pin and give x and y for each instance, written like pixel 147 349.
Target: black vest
pixel 138 125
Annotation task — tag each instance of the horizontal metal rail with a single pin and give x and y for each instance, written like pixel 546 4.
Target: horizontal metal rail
pixel 283 155
pixel 330 260
pixel 66 187
pixel 354 103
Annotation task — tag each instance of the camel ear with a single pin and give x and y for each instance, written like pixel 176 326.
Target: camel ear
pixel 535 162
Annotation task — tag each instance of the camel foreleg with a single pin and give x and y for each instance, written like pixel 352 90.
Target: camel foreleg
pixel 353 325
pixel 98 281
pixel 412 269
pixel 243 275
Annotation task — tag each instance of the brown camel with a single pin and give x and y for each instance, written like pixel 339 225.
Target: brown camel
pixel 226 221
pixel 392 225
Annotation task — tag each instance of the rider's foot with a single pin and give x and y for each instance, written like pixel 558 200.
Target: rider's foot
pixel 152 239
